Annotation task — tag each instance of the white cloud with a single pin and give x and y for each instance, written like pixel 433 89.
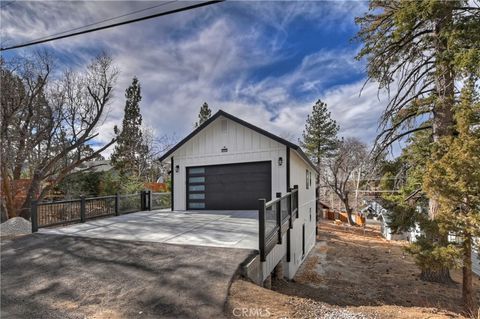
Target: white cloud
pixel 356 114
pixel 209 55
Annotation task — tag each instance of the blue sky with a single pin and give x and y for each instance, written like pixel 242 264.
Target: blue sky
pixel 266 62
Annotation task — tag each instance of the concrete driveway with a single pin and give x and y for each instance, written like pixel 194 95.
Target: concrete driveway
pixel 230 229
pixel 57 276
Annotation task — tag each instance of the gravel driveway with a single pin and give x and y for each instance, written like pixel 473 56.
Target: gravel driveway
pixel 56 276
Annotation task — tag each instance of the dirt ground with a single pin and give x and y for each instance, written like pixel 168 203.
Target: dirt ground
pixel 357 272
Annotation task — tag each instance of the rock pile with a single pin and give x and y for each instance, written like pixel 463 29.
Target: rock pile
pixel 15 226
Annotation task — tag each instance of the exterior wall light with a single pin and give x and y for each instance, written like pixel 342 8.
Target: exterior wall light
pixel 177 168
pixel 224 149
pixel 280 161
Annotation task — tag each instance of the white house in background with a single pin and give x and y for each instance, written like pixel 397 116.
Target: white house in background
pixel 476 256
pixel 376 209
pixel 94 166
pixel 475 251
pixel 229 164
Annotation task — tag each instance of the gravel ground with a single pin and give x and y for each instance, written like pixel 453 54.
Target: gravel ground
pixel 15 226
pixel 306 308
pixel 362 271
pixel 351 275
pixel 258 302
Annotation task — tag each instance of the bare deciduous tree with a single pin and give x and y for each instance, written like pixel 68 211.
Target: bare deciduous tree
pixel 47 123
pixel 349 157
pixel 152 168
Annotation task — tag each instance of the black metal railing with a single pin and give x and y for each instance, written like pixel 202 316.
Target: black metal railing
pixel 275 218
pixel 48 214
pixel 131 203
pixel 160 200
pixel 99 206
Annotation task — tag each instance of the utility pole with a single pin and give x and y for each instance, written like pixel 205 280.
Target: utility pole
pixel 358 185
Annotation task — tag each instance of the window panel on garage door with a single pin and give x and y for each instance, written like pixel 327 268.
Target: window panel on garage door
pixel 196 187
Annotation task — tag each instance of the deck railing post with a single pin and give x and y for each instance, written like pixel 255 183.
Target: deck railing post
pixel 117 204
pixel 142 200
pixel 296 198
pixel 290 208
pixel 279 217
pixel 82 209
pixel 149 201
pixel 34 216
pixel 261 229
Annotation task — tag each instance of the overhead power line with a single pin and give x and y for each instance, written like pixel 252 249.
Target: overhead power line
pixel 105 20
pixel 164 13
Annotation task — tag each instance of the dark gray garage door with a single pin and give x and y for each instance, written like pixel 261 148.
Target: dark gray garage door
pixel 232 186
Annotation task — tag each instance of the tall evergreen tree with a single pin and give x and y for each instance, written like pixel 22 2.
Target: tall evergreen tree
pixel 204 114
pixel 130 152
pixel 320 134
pixel 418 49
pixel 454 178
pixel 319 139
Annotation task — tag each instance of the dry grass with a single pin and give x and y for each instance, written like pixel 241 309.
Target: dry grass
pixel 361 272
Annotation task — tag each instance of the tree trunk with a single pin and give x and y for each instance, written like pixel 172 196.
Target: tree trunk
pixel 444 76
pixel 351 222
pixel 7 195
pixel 436 275
pixel 317 195
pixel 3 211
pixel 468 292
pixel 348 209
pixel 31 195
pixel 442 121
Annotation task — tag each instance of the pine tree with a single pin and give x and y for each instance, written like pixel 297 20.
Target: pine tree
pixel 408 207
pixel 454 178
pixel 319 138
pixel 418 50
pixel 204 114
pixel 448 169
pixel 320 134
pixel 130 151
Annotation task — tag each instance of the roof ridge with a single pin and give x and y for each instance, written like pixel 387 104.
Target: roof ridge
pixel 229 116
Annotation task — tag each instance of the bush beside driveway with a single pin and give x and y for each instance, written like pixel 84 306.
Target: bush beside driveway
pixel 55 276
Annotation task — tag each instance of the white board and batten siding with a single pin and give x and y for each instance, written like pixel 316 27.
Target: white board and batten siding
pixel 306 216
pixel 243 144
pixel 299 170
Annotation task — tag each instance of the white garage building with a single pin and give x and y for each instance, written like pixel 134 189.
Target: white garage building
pixel 229 164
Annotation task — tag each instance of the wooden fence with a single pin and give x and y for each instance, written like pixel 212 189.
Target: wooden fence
pixel 342 216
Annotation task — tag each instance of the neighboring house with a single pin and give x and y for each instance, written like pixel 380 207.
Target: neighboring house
pixel 94 166
pixel 327 212
pixel 475 251
pixel 374 208
pixel 387 232
pixel 229 164
pixel 476 257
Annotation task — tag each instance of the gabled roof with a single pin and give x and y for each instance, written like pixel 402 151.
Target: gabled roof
pixel 244 123
pixel 324 205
